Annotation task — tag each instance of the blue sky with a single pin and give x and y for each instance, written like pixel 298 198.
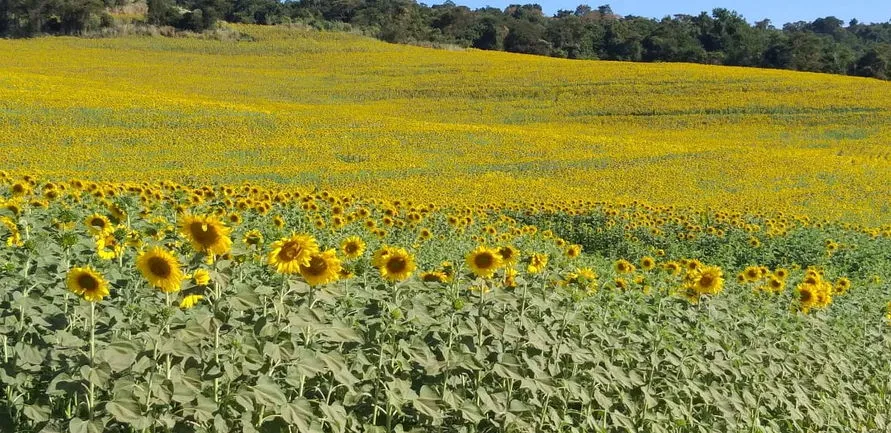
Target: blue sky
pixel 778 11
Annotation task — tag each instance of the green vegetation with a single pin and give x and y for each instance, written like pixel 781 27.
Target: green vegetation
pixel 722 37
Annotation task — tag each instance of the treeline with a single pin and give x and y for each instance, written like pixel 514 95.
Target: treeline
pixel 722 37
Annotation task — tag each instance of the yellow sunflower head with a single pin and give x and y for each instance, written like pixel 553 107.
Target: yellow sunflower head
pixel 322 268
pixel 190 301
pixel 775 284
pixel 352 247
pixel 573 251
pixel 484 261
pixel 206 233
pixel 752 273
pixel 537 263
pixel 807 299
pixel 201 277
pixel 624 266
pixel 781 273
pixel 707 280
pixel 434 277
pixel 88 283
pixel 289 254
pixel 647 263
pixel 161 269
pixel 98 224
pixel 253 238
pixel 841 286
pixel 508 254
pixel 395 264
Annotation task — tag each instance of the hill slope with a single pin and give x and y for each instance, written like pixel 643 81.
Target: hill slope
pixel 356 115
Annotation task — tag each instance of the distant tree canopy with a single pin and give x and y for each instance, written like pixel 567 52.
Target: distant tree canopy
pixel 722 37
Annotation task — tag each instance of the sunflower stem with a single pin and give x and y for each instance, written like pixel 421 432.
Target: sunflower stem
pixel 167 330
pixel 281 299
pixel 92 354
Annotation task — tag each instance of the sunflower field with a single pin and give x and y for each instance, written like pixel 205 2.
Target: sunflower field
pixel 364 237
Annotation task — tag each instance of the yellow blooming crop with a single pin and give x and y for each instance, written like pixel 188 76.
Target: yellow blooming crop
pixel 88 283
pixel 800 142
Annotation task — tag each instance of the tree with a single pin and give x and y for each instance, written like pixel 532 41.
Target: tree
pixel 874 63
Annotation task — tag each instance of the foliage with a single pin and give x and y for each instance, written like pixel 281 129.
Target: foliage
pixel 545 350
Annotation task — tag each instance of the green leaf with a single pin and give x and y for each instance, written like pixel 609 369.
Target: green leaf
pixel 267 393
pixel 119 354
pixel 124 409
pixel 78 425
pixel 299 413
pixel 338 332
pixel 428 402
pixel 37 413
pixel 336 416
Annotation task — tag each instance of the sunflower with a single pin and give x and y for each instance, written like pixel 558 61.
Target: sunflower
pixel 623 266
pixel 108 247
pixel 707 280
pixel 673 268
pixel 206 233
pixel 322 268
pixel 573 251
pixel 88 283
pixel 775 284
pixel 807 299
pixel 161 269
pixel 484 261
pixel 201 277
pixel 289 254
pixel 508 254
pixel 278 222
pixel 841 286
pixel 394 264
pixel 621 283
pixel 434 277
pixel 352 247
pixel 253 238
pixel 98 223
pixel 752 273
pixel 647 263
pixel 190 301
pixel 693 264
pixel 510 278
pixel 537 263
pixel 781 273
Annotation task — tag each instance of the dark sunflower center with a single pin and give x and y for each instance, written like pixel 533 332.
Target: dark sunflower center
pixel 203 234
pixel 351 248
pixel 706 280
pixel 317 266
pixel 97 222
pixel 484 260
pixel 159 267
pixel 396 265
pixel 806 296
pixel 289 251
pixel 87 282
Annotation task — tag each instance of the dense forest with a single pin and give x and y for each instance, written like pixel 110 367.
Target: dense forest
pixel 722 37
